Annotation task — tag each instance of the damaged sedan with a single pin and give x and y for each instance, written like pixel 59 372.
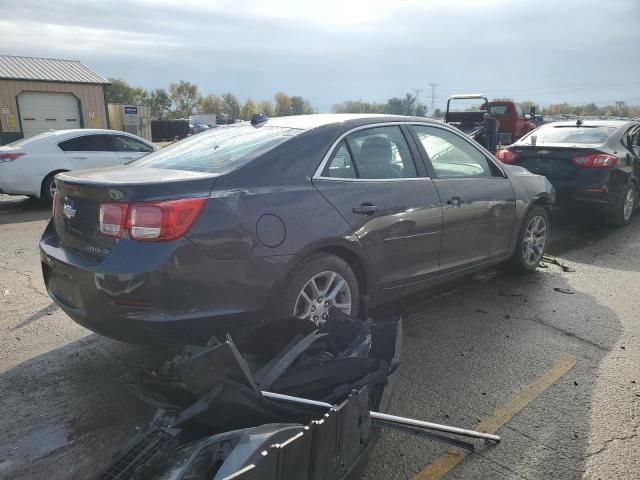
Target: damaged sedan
pixel 284 216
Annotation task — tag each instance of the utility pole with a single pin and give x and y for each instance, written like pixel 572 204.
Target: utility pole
pixel 433 97
pixel 418 90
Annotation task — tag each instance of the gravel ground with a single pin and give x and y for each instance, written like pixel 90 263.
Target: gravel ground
pixel 468 348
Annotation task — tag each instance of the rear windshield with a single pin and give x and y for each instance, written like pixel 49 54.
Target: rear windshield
pixel 467 105
pixel 570 134
pixel 218 150
pixel 23 142
pixel 498 110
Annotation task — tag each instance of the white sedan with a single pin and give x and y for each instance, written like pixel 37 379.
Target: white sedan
pixel 28 166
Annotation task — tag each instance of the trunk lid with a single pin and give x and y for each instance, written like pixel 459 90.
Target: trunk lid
pixel 554 162
pixel 80 194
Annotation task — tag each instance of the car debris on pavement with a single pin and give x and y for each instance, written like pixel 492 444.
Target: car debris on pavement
pixel 286 399
pixel 212 421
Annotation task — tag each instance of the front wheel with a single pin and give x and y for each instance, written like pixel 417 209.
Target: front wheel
pixel 318 283
pixel 532 241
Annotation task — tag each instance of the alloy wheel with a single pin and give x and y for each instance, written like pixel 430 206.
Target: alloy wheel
pixel 323 291
pixel 52 188
pixel 535 239
pixel 629 204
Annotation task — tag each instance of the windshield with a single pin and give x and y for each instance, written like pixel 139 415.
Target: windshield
pixel 218 150
pixel 570 134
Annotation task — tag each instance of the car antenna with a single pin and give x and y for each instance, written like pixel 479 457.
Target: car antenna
pixel 258 119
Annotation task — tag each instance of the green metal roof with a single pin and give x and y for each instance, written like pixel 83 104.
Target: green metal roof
pixel 47 70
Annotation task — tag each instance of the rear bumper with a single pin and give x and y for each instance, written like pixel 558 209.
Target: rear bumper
pixel 12 182
pixel 597 196
pixel 159 292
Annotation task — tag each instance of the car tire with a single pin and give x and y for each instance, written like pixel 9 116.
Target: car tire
pixel 332 277
pixel 624 208
pixel 529 252
pixel 47 185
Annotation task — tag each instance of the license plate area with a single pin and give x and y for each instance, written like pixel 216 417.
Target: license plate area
pixel 62 284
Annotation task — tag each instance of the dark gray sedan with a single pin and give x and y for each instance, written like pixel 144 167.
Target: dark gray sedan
pixel 280 216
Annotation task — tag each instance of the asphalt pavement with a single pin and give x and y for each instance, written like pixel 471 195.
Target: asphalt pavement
pixel 549 361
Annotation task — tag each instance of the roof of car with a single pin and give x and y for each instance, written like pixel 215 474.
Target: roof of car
pixel 84 130
pixel 307 122
pixel 57 135
pixel 591 123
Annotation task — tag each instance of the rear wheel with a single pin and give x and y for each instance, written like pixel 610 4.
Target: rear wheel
pixel 624 207
pixel 49 187
pixel 318 283
pixel 532 241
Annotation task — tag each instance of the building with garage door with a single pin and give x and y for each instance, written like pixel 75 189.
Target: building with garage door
pixel 41 94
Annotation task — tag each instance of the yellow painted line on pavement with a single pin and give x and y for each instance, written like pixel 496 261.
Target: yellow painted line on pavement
pixel 453 456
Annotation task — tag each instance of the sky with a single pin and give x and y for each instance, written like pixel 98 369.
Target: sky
pixel 328 51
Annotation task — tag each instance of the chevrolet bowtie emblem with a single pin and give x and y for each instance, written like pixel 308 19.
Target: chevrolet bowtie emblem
pixel 544 152
pixel 68 210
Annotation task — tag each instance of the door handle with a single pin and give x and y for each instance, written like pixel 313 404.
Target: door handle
pixel 79 158
pixel 128 158
pixel 365 209
pixel 455 201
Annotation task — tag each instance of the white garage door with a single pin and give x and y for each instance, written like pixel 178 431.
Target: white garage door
pixel 40 112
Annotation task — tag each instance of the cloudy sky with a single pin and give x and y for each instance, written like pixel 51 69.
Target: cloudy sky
pixel 333 50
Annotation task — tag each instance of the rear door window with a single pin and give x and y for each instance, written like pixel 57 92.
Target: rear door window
pixel 381 153
pixel 87 143
pixel 218 150
pixel 341 164
pixel 122 143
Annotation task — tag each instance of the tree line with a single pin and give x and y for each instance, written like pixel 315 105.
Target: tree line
pixel 618 109
pixel 410 106
pixel 407 105
pixel 183 98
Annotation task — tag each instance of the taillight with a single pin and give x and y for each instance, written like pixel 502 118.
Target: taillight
pixel 506 156
pixel 595 160
pixel 145 222
pixel 112 218
pixel 10 157
pixel 150 220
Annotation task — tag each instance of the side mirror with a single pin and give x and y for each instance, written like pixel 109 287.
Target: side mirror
pixel 532 111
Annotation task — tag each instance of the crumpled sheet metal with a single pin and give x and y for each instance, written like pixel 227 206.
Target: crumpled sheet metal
pixel 205 391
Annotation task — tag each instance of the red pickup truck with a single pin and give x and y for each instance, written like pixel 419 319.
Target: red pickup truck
pixel 464 112
pixel 513 123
